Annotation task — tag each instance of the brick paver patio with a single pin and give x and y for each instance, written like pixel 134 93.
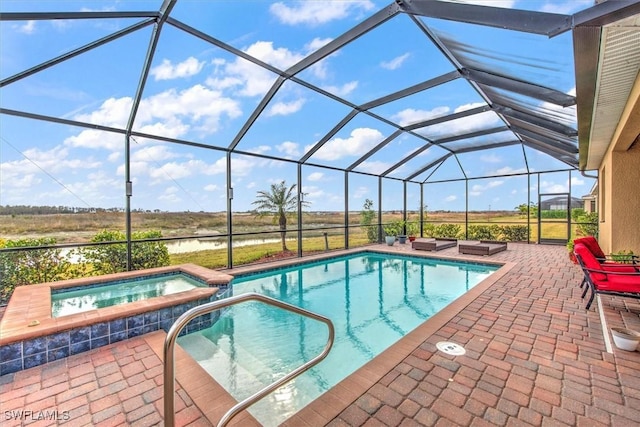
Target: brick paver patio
pixel 534 356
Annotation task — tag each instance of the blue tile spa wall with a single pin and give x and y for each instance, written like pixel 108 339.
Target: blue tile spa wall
pixel 27 354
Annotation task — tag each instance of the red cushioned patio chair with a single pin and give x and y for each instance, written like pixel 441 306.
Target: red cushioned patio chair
pixel 606 261
pixel 592 244
pixel 620 280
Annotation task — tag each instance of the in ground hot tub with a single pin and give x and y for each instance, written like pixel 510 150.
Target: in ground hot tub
pixel 97 311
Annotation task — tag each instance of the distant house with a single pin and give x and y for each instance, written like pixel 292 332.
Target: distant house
pixel 560 203
pixel 591 199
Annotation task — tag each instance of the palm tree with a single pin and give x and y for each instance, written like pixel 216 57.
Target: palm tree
pixel 279 202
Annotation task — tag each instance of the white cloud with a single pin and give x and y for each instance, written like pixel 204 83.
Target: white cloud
pixel 490 158
pixel 396 62
pixel 360 192
pixel 450 198
pixel 285 108
pixel 54 161
pixel 113 112
pixel 94 139
pixel 343 90
pixel 291 149
pixel 171 113
pixel 196 104
pixel 211 187
pixel 553 187
pixel 374 167
pixel 280 57
pixel 153 153
pixel 174 170
pixel 320 68
pixel 317 43
pixel 410 115
pixel 168 71
pixel 28 27
pixel 171 127
pixel 313 193
pixel 549 187
pixel 241 166
pixel 461 126
pixel 315 176
pixel 170 194
pixel 95 187
pixel 260 149
pixel 508 170
pixel 317 12
pixel 477 189
pixel 24 181
pixel 250 79
pixel 359 142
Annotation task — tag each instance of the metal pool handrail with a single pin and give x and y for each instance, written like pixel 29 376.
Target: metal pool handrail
pixel 181 322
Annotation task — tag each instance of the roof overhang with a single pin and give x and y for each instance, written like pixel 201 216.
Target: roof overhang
pixel 607 61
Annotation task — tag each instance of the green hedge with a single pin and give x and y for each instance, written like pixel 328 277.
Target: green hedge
pixel 505 233
pixel 26 267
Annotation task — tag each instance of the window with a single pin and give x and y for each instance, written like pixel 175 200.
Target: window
pixel 603 189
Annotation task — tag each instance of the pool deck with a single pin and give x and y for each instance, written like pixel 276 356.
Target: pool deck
pixel 534 356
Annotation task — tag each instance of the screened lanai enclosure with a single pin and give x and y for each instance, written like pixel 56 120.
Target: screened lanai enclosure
pixel 432 112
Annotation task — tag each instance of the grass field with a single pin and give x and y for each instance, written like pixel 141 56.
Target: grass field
pixel 80 228
pixel 246 228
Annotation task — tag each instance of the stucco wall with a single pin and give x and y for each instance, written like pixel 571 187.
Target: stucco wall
pixel 625 201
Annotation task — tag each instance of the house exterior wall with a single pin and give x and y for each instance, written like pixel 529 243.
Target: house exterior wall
pixel 619 183
pixel 620 229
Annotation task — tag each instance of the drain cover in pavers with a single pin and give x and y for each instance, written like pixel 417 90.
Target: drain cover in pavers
pixel 451 348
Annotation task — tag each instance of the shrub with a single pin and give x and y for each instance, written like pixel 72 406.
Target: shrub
pixel 515 233
pixel 429 230
pixel 576 213
pixel 554 214
pixel 30 266
pixel 450 231
pixel 587 224
pixel 413 228
pixel 367 215
pixel 112 258
pixel 484 232
pixel 622 256
pixel 391 229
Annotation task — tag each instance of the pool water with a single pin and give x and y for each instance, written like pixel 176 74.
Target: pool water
pixel 85 298
pixel 372 299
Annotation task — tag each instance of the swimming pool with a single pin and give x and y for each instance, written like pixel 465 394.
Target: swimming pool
pixel 84 298
pixel 372 299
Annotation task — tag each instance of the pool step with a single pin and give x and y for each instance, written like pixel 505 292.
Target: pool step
pixel 232 366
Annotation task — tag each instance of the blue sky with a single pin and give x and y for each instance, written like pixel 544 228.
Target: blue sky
pixel 203 94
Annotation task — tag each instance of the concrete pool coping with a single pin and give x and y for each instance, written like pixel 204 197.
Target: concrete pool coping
pixel 31 305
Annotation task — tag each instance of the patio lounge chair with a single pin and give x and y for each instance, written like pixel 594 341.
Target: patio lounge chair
pixel 594 247
pixel 607 263
pixel 621 280
pixel 433 244
pixel 483 247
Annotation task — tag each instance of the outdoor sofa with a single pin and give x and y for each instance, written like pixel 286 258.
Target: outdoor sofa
pixel 483 247
pixel 433 244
